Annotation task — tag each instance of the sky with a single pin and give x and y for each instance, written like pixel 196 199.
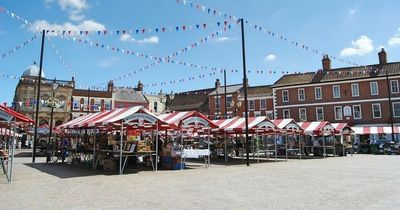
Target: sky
pixel 348 30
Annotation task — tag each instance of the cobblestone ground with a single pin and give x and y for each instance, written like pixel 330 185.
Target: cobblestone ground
pixel 358 182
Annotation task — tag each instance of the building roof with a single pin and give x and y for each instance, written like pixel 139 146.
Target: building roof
pixel 360 72
pixel 259 90
pixel 32 71
pixel 229 89
pixel 189 101
pixel 295 79
pixel 92 93
pixel 129 95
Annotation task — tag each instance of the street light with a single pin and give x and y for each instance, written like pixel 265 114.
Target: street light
pixel 52 102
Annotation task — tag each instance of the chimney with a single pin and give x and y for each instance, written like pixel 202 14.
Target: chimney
pixel 326 63
pixel 217 84
pixel 382 57
pixel 110 86
pixel 139 86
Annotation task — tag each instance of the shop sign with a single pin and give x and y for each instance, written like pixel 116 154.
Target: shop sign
pixel 141 117
pixel 4 115
pixel 196 121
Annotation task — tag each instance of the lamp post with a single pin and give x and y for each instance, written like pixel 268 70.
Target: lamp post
pixel 52 103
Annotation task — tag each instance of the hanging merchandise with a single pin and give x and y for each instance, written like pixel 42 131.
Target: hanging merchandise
pixel 18 47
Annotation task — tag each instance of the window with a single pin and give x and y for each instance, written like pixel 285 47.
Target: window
pixel 394 86
pixel 286 114
pixel 257 114
pixel 374 88
pixel 76 105
pixel 318 93
pixel 107 105
pixel 355 90
pixel 357 112
pixel 376 111
pixel 155 106
pixel 263 104
pixel 338 113
pixel 270 115
pixel 97 105
pixel 252 105
pixel 285 96
pixel 319 113
pixel 336 91
pixel 396 109
pixel 228 101
pixel 302 114
pixel 301 94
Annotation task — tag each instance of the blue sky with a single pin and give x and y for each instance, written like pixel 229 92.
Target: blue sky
pixel 347 29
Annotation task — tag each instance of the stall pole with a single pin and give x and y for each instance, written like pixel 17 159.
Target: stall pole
pixel 342 141
pixel 8 151
pixel 298 135
pixel 182 155
pixel 12 150
pixel 258 156
pixel 286 140
pixel 334 144
pixel 276 147
pixel 323 142
pixel 209 152
pixel 157 148
pixel 120 147
pixel 226 148
pixel 94 151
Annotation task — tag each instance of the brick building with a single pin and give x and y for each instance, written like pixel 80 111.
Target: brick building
pixel 260 102
pixel 217 100
pixel 356 95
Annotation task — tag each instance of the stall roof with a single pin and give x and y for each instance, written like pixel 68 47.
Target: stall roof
pixel 8 132
pixel 18 116
pixel 130 116
pixel 286 124
pixel 316 127
pixel 239 125
pixel 342 128
pixel 366 130
pixel 188 119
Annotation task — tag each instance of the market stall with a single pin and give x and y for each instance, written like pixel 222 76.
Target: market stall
pixel 260 129
pixel 319 136
pixel 289 138
pixel 368 138
pixel 118 142
pixel 10 121
pixel 345 134
pixel 190 124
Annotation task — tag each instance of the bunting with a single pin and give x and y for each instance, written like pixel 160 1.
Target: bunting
pixel 63 62
pixel 18 47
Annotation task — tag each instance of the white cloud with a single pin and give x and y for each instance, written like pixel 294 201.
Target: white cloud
pixel 224 39
pixel 73 7
pixel 352 11
pixel 361 46
pixel 149 40
pixel 270 57
pixel 395 40
pixel 108 62
pixel 87 25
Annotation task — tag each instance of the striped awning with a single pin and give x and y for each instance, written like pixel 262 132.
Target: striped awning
pixel 342 128
pixel 317 128
pixel 190 119
pixel 238 125
pixel 366 130
pixel 132 116
pixel 8 132
pixel 286 124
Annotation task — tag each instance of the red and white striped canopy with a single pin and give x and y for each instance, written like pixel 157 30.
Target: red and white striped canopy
pixel 193 119
pixel 239 125
pixel 286 124
pixel 375 130
pixel 8 132
pixel 130 116
pixel 317 128
pixel 342 128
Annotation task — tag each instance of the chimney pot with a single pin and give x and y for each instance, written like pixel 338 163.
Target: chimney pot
pixel 382 57
pixel 217 84
pixel 326 63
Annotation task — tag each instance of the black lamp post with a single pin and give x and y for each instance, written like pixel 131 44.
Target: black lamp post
pixel 52 103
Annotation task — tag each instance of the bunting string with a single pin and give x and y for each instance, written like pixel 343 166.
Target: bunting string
pixel 60 57
pixel 18 47
pixel 259 28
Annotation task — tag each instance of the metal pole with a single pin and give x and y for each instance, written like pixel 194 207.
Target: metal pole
pixel 50 132
pixel 157 147
pixel 245 95
pixel 390 104
pixel 12 150
pixel 226 149
pixel 225 107
pixel 120 147
pixel 87 112
pixel 218 105
pixel 38 98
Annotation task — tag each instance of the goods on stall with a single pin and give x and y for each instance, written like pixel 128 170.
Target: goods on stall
pixel 108 164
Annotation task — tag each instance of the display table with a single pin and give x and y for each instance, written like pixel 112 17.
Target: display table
pixel 126 154
pixel 197 153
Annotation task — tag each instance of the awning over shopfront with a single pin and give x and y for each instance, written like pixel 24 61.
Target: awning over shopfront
pixel 366 130
pixel 8 114
pixel 133 116
pixel 317 128
pixel 190 119
pixel 238 125
pixel 8 132
pixel 342 128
